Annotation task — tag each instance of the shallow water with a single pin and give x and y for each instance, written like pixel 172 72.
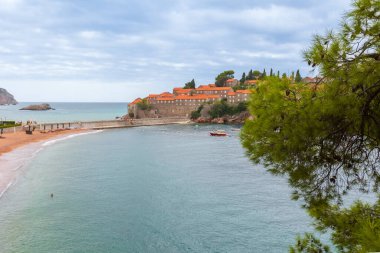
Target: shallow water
pixel 148 189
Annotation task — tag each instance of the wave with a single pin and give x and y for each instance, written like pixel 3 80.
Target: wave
pixel 51 142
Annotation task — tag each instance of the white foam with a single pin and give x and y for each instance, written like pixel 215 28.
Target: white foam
pixel 48 143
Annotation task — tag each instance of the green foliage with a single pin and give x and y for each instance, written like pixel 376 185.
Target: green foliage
pixel 8 124
pixel 284 76
pixel 240 87
pixel 354 229
pixel 144 105
pixel 243 78
pixel 309 244
pixel 241 107
pixel 197 113
pixel 298 77
pixel 190 85
pixel 326 139
pixel 250 75
pixel 264 75
pixel 256 74
pixel 222 108
pixel 271 72
pixel 221 79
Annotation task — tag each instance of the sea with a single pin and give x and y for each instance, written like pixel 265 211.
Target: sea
pixel 167 188
pixel 64 112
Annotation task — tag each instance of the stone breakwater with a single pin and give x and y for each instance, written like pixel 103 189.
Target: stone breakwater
pixel 103 124
pixel 109 124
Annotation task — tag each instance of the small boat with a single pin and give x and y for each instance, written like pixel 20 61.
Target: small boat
pixel 218 133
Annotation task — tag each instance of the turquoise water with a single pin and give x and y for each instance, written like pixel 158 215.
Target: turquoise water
pixel 65 112
pixel 148 189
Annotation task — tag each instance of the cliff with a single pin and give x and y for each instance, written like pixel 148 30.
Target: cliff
pixel 6 98
pixel 41 107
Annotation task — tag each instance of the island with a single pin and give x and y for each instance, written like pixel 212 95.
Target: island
pixel 6 98
pixel 41 107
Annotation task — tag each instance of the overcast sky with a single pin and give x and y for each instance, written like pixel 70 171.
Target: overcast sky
pixel 116 50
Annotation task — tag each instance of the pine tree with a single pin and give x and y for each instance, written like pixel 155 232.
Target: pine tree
pixel 284 76
pixel 278 74
pixel 298 78
pixel 264 75
pixel 324 139
pixel 292 76
pixel 271 72
pixel 243 78
pixel 250 75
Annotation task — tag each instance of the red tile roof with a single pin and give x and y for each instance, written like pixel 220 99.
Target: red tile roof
pixel 165 99
pixel 208 88
pixel 166 94
pixel 196 97
pixel 244 91
pixel 137 100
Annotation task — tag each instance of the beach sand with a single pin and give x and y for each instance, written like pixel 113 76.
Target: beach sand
pixel 11 141
pixel 23 147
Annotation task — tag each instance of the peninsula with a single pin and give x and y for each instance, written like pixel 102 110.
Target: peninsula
pixel 6 98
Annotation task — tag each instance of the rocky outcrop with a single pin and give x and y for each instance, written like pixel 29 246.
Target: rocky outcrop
pixel 41 107
pixel 6 98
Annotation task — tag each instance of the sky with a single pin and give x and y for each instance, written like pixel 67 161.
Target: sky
pixel 117 50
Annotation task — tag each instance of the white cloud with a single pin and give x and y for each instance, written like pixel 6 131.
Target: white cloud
pixel 9 4
pixel 90 35
pixel 161 44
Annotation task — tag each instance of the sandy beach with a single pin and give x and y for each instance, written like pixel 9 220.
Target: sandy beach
pixel 11 141
pixel 23 147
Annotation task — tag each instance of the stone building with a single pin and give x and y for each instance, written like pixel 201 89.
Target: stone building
pixel 132 107
pixel 209 90
pixel 232 82
pixel 182 102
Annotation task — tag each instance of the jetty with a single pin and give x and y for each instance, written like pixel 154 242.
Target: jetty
pixel 104 124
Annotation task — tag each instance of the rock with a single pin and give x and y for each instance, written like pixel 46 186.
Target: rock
pixel 6 98
pixel 41 107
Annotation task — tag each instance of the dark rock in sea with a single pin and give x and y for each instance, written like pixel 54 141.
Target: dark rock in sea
pixel 6 98
pixel 41 107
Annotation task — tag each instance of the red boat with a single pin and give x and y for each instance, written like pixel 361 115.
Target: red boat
pixel 218 133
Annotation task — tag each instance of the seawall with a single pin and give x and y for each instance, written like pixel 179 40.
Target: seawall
pixel 109 124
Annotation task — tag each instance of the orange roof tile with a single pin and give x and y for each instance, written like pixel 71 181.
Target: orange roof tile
pixel 165 99
pixel 231 93
pixel 182 91
pixel 208 88
pixel 196 97
pixel 166 94
pixel 244 91
pixel 153 95
pixel 137 100
pixel 231 80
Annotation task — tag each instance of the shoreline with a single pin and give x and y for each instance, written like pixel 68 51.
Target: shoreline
pixel 17 149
